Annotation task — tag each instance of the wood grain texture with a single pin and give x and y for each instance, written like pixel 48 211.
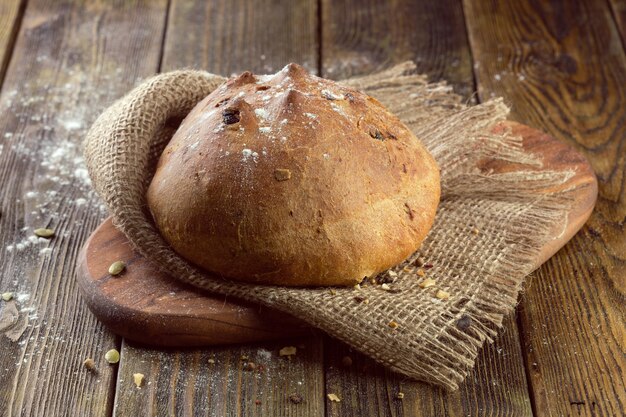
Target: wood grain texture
pixel 221 381
pixel 362 37
pixel 232 36
pixel 619 14
pixel 225 37
pixel 144 304
pixel 69 61
pixel 10 18
pixel 562 67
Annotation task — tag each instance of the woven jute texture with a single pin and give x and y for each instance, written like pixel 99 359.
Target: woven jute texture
pixel 482 272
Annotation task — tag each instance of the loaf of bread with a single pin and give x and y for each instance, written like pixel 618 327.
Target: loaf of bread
pixel 292 179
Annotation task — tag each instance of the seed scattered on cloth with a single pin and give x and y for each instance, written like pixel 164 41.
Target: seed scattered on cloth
pixel 359 299
pixel 464 322
pixel 419 261
pixel 475 231
pixel 138 379
pixel 112 356
pixel 333 397
pixel 421 272
pixel 90 365
pixel 442 295
pixel 282 174
pixel 427 283
pixel 385 287
pixel 7 296
pixel 288 351
pixel 393 324
pixel 117 268
pixel 43 232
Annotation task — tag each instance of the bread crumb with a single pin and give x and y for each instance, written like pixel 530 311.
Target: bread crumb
pixel 427 283
pixel 421 272
pixel 385 287
pixel 400 395
pixel 138 378
pixel 333 397
pixel 249 366
pixel 442 295
pixel 287 351
pixel 90 365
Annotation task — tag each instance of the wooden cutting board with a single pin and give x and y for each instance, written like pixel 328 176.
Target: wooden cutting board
pixel 148 306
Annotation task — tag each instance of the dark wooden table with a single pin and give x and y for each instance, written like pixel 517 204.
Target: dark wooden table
pixel 561 65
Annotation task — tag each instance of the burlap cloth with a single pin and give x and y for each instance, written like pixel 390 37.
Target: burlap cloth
pixel 486 237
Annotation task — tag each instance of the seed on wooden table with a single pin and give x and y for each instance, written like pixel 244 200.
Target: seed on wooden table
pixel 112 356
pixel 117 268
pixel 43 232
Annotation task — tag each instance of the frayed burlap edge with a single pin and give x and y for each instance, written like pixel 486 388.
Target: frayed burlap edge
pixel 481 271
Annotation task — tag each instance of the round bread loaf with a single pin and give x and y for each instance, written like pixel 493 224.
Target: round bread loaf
pixel 296 180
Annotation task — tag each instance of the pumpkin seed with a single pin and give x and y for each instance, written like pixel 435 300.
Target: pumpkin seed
pixel 117 267
pixel 43 232
pixel 112 356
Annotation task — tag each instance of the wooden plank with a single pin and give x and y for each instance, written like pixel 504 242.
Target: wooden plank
pixel 361 37
pixel 225 37
pixel 562 67
pixel 434 33
pixel 10 18
pixel 69 61
pixel 619 14
pixel 221 381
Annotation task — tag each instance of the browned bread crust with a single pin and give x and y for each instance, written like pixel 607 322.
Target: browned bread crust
pixel 292 179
